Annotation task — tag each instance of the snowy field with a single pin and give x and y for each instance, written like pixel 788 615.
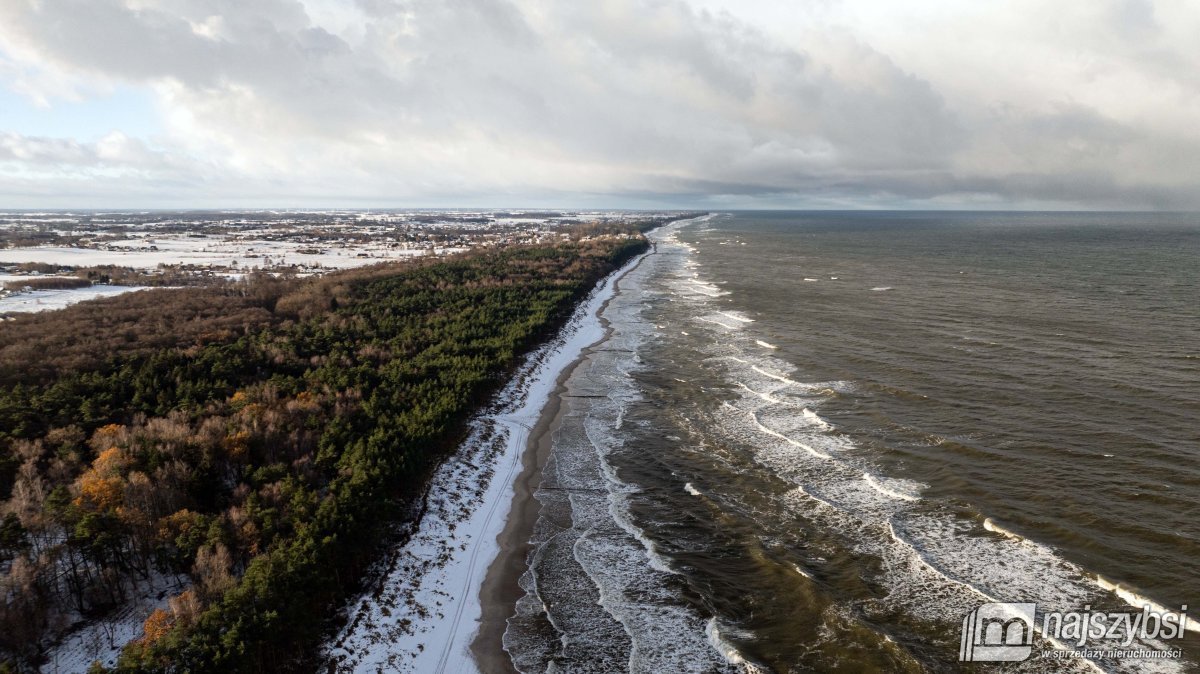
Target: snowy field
pixel 150 252
pixel 46 300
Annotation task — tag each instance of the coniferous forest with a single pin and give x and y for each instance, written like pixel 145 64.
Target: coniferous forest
pixel 257 441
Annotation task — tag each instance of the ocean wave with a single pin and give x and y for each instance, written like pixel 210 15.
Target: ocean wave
pixel 772 375
pixel 765 396
pixel 1138 601
pixel 991 526
pixel 815 419
pixel 727 650
pixel 737 316
pixel 790 441
pixel 886 490
pixel 933 569
pixel 723 325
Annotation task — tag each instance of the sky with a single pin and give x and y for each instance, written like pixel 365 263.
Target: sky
pixel 715 104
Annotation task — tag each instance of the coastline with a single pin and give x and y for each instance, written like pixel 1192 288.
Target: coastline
pixel 425 612
pixel 500 589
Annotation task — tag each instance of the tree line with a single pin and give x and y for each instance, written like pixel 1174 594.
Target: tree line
pixel 258 441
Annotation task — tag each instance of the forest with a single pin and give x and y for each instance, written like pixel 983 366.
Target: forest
pixel 257 440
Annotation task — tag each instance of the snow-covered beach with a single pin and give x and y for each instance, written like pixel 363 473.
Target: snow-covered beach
pixel 423 612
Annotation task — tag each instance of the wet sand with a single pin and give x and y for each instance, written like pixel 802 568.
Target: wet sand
pixel 500 590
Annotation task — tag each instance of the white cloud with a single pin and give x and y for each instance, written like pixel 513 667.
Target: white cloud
pixel 442 101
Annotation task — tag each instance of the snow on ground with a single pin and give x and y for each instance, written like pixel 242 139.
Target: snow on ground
pixel 45 300
pixel 103 639
pixel 24 278
pixel 424 613
pixel 148 253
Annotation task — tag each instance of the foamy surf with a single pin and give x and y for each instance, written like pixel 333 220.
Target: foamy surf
pixel 1137 601
pixel 893 491
pixel 780 377
pixel 739 317
pixel 765 396
pixel 935 562
pixel 716 322
pixel 991 526
pixel 790 441
pixel 601 595
pixel 800 570
pixel 764 344
pixel 880 487
pixel 814 419
pixel 727 650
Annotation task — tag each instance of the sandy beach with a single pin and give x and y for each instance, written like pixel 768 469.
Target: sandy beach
pixel 500 589
pixel 443 597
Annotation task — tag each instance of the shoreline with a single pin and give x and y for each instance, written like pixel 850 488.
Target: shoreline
pixel 424 615
pixel 500 590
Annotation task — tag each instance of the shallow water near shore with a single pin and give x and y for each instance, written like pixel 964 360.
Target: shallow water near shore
pixel 815 442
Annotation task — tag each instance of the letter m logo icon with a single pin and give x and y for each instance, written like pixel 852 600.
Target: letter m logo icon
pixel 997 633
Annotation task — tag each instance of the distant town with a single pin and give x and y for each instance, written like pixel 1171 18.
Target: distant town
pixel 49 260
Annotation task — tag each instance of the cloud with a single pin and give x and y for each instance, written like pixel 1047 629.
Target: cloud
pixel 424 101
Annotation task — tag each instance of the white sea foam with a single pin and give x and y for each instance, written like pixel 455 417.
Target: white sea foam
pixel 800 570
pixel 996 528
pixel 790 441
pixel 814 419
pixel 780 377
pixel 723 325
pixel 809 495
pixel 705 288
pixel 764 344
pixel 765 396
pixel 737 316
pixel 618 500
pixel 1137 601
pixel 812 280
pixel 882 288
pixel 923 557
pixel 884 489
pixel 727 650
